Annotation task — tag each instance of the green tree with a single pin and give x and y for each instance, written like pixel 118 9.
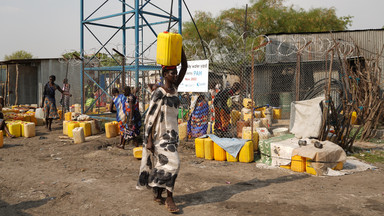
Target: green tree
pixel 71 55
pixel 263 17
pixel 21 54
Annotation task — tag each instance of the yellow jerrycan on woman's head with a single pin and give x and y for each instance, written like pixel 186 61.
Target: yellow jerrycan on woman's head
pixel 169 49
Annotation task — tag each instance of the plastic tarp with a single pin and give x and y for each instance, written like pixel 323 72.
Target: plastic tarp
pixel 306 118
pixel 230 145
pixel 322 159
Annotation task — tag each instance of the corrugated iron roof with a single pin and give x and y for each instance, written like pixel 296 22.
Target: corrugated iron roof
pixel 25 61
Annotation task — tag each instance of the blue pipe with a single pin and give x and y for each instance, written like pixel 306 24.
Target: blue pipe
pixel 124 31
pixel 159 15
pixel 106 17
pixel 127 68
pixel 103 118
pixel 82 54
pixel 180 18
pixel 154 23
pixel 137 41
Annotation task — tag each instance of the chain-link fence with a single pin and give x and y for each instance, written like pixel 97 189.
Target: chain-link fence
pixel 279 71
pixel 248 87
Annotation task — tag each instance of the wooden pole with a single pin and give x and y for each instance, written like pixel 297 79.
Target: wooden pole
pixel 8 84
pixel 6 87
pixel 252 88
pixel 17 85
pixel 298 69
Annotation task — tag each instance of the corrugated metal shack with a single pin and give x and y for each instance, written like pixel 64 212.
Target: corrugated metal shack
pixel 22 80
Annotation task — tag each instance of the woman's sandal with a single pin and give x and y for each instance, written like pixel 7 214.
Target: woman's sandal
pixel 160 201
pixel 170 209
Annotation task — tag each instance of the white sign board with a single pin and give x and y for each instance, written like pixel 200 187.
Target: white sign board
pixel 196 78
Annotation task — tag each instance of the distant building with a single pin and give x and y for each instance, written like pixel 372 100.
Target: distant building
pixel 25 78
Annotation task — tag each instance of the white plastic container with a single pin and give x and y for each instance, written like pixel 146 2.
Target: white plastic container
pixel 245 114
pixel 77 108
pixel 39 114
pixel 29 130
pixel 94 129
pixel 78 135
pixel 263 133
pixel 256 123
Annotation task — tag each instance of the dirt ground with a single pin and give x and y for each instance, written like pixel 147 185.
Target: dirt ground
pixel 47 176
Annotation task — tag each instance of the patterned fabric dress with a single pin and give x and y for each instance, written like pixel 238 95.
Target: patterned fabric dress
pixel 120 104
pixel 132 131
pixel 50 109
pixel 222 112
pixel 161 168
pixel 198 122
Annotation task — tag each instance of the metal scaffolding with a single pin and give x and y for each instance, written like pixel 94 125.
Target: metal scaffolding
pixel 136 15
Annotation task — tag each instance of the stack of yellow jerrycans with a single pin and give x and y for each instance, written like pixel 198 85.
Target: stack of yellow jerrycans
pixel 77 130
pixel 206 148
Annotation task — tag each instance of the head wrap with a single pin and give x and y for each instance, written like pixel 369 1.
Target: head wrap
pixel 168 67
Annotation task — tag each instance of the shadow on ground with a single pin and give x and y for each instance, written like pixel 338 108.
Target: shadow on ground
pixel 17 209
pixel 223 193
pixel 11 145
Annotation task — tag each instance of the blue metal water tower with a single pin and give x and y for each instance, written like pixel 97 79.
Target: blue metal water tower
pixel 135 18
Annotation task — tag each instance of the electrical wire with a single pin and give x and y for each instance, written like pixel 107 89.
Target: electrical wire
pixel 170 16
pixel 201 40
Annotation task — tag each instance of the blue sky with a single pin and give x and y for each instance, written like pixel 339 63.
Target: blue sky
pixel 49 28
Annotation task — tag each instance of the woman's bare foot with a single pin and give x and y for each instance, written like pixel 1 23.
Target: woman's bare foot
pixel 171 206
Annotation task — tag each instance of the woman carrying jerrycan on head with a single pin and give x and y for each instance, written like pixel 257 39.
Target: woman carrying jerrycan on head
pixel 160 159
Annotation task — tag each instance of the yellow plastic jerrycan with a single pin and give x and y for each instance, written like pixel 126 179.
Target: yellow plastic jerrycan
pixel 246 153
pixel 87 128
pixel 199 147
pixel 71 126
pixel 208 149
pixel 68 116
pixel 111 130
pixel 29 129
pixel 1 139
pixel 219 153
pixel 14 129
pixel 138 152
pixel 230 158
pixel 65 127
pixel 168 49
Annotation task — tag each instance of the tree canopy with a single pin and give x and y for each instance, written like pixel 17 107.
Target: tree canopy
pixel 21 54
pixel 263 17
